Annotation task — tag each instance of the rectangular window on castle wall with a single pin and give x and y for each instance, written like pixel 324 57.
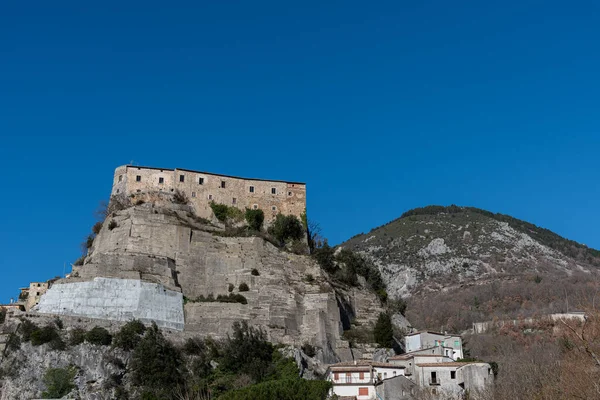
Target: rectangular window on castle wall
pixel 251 189
pixel 161 180
pixel 452 374
pixel 138 178
pixel 120 178
pixel 193 194
pixel 210 196
pixel 273 191
pixel 234 200
pixel 181 178
pixel 222 184
pixel 201 181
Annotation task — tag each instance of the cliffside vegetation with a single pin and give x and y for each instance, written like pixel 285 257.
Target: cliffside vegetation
pixel 243 366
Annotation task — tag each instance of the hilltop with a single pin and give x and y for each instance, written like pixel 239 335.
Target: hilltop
pixel 463 264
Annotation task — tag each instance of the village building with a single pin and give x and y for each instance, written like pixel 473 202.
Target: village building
pixel 31 296
pixel 360 379
pixel 434 343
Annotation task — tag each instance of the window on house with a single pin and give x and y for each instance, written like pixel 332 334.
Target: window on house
pixel 251 189
pixel 273 190
pixel 138 178
pixel 181 178
pixel 120 178
pixel 161 180
pixel 363 391
pixel 193 194
pixel 348 377
pixel 361 375
pixel 452 374
pixel 234 200
pixel 456 343
pixel 200 181
pixel 394 373
pixel 210 196
pixel 433 377
pixel 336 376
pixel 222 184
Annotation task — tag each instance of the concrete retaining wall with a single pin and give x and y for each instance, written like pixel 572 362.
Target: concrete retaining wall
pixel 116 299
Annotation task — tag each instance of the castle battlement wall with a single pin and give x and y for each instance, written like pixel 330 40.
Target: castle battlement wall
pixel 271 196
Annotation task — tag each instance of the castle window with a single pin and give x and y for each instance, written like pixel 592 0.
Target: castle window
pixel 181 178
pixel 289 193
pixel 452 374
pixel 251 189
pixel 138 178
pixel 120 178
pixel 117 190
pixel 193 194
pixel 273 191
pixel 222 184
pixel 234 200
pixel 200 181
pixel 210 196
pixel 255 206
pixel 274 208
pixel 161 180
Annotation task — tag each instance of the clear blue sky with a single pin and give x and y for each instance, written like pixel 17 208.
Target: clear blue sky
pixel 378 107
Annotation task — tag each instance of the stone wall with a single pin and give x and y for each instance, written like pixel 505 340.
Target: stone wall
pixel 201 188
pixel 115 299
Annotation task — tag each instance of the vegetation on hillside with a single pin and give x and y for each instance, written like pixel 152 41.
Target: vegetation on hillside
pixel 243 366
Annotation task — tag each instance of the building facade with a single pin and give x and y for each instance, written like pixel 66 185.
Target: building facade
pixel 202 188
pixel 447 345
pixel 360 379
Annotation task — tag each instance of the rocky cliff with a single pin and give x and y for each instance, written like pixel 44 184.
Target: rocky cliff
pixel 161 243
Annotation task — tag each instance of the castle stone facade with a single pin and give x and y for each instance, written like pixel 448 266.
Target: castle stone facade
pixel 202 188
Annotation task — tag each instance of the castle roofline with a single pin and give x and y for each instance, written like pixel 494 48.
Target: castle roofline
pixel 212 173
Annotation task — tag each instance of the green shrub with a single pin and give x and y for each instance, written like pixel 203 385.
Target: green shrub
pixel 255 218
pixel 384 331
pixel 59 382
pixel 289 389
pixel 77 336
pixel 286 227
pixel 156 365
pixel 220 211
pixel 112 225
pixel 79 261
pixel 14 342
pixel 97 227
pixel 243 287
pixel 59 323
pixel 98 335
pixel 89 241
pixel 27 328
pixel 247 351
pixel 129 335
pixel 255 272
pixel 326 258
pixel 232 298
pixel 397 306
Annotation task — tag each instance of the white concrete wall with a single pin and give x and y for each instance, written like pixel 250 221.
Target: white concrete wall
pixel 412 343
pixel 387 373
pixel 115 299
pixel 352 391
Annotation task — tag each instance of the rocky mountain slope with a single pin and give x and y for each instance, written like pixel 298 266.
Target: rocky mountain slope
pixel 437 255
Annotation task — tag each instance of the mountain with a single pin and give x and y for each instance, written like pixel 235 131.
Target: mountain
pixel 457 265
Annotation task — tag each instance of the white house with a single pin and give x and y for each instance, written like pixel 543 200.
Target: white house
pixel 442 343
pixel 358 379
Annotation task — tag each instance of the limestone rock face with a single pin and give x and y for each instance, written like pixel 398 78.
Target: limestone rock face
pixel 288 295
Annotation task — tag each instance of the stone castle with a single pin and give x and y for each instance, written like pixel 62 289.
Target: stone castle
pixel 202 188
